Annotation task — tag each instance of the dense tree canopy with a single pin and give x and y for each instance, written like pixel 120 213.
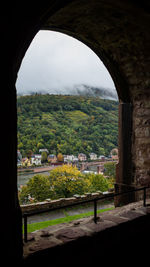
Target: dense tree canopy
pixel 67 124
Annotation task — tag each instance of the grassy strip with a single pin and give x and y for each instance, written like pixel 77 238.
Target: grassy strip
pixel 40 225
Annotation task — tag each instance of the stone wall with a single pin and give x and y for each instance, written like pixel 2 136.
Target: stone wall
pixel 133 169
pixel 61 202
pixel 141 142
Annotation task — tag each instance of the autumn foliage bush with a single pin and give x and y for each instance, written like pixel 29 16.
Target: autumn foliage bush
pixel 64 181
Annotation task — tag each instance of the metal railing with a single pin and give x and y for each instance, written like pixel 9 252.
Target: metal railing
pixel 109 195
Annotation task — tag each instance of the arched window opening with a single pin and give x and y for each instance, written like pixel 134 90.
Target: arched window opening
pixel 67 121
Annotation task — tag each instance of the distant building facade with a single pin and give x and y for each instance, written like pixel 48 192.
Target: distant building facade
pixel 70 158
pixel 52 158
pixel 82 157
pixel 114 153
pixel 93 156
pixel 36 159
pixel 102 157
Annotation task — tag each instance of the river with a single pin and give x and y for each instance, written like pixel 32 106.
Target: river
pixel 23 178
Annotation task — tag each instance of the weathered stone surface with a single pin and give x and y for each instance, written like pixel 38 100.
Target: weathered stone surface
pixel 142 132
pixel 141 141
pixel 45 234
pixel 60 235
pixel 100 226
pixel 131 214
pixel 30 237
pixel 41 245
pixel 115 219
pixel 69 234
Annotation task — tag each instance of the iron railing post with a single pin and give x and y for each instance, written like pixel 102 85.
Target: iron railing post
pixel 25 228
pixel 95 211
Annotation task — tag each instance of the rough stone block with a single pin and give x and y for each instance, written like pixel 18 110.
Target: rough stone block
pixel 69 234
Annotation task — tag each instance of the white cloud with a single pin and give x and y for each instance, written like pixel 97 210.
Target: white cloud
pixel 55 61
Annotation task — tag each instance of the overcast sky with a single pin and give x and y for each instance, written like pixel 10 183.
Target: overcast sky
pixel 56 62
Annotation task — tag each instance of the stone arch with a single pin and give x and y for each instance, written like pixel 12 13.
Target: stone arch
pixel 120 82
pixel 111 65
pixel 118 31
pixel 72 21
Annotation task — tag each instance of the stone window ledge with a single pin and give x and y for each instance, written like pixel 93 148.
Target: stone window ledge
pixel 83 230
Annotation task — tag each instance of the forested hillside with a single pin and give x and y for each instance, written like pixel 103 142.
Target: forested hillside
pixel 67 124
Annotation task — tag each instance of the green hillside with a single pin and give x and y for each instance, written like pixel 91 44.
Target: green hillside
pixel 67 124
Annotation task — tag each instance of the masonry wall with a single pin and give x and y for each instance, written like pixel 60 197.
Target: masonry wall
pixel 61 202
pixel 141 141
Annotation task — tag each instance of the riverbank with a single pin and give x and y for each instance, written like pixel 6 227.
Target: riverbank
pixel 24 174
pixel 37 169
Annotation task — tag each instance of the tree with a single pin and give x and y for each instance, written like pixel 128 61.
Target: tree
pixel 96 182
pixel 110 169
pixel 60 157
pixel 44 157
pixel 40 145
pixel 38 187
pixel 29 154
pixel 20 145
pixel 67 124
pixel 66 181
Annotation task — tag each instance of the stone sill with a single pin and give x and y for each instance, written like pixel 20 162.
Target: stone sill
pixel 58 236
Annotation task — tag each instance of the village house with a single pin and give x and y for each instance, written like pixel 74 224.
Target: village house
pixel 52 158
pixel 70 158
pixel 36 159
pixel 93 156
pixel 75 159
pixel 114 154
pixel 114 157
pixel 26 162
pixel 102 157
pixel 82 157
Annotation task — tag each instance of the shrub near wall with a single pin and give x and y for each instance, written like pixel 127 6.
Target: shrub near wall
pixel 37 189
pixel 96 182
